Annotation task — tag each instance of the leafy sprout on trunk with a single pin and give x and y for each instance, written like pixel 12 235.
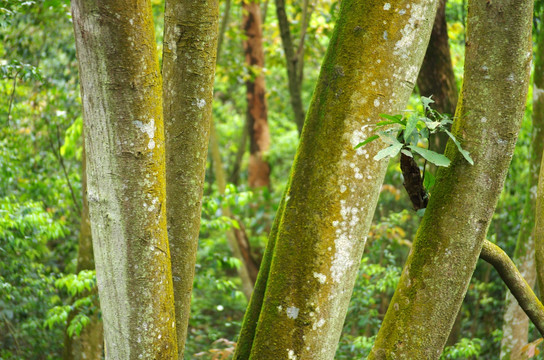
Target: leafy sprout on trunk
pixel 406 134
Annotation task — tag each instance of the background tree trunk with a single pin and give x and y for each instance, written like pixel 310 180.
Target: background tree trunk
pixel 122 106
pixel 89 344
pixel 516 324
pixel 436 76
pixel 450 237
pixel 259 134
pixel 314 251
pixel 294 60
pixel 190 33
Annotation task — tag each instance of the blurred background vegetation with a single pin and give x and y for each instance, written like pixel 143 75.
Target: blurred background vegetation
pixel 40 191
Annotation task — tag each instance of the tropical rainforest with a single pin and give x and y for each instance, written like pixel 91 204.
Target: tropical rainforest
pixel 271 179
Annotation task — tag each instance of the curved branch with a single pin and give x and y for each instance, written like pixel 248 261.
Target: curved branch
pixel 511 276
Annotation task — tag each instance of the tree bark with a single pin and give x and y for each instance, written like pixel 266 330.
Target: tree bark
pixel 293 61
pixel 259 134
pixel 191 34
pixel 436 76
pixel 314 250
pixel 450 237
pixel 90 342
pixel 515 328
pixel 122 109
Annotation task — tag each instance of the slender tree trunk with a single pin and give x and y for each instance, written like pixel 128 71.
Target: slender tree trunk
pixel 516 323
pixel 436 76
pixel 259 135
pixel 293 61
pixel 451 234
pixel 121 94
pixel 190 33
pixel 315 247
pixel 90 342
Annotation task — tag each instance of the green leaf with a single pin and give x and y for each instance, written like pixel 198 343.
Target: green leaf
pixel 428 181
pixel 410 127
pixel 407 153
pixel 463 152
pixel 431 156
pixel 388 138
pixel 397 119
pixel 420 212
pixel 391 151
pixel 369 139
pixel 426 101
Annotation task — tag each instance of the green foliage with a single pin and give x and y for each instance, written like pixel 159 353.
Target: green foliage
pixel 415 128
pixel 464 349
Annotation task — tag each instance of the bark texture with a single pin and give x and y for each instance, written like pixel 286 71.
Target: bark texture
pixel 190 33
pixel 122 108
pixel 450 237
pixel 259 134
pixel 309 268
pixel 90 342
pixel 515 328
pixel 436 76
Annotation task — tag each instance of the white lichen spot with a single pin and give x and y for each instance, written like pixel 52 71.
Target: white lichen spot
pixel 149 129
pixel 292 312
pixel 484 119
pixel 343 188
pixel 291 355
pixel 376 102
pixel 322 278
pixel 280 308
pixel 402 12
pixel 387 6
pixel 200 103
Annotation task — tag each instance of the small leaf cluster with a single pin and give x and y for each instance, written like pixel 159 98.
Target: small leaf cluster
pixel 415 129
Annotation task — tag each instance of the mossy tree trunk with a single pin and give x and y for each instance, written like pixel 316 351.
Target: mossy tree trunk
pixel 436 76
pixel 259 134
pixel 190 33
pixel 450 237
pixel 122 108
pixel 516 324
pixel 90 342
pixel 307 275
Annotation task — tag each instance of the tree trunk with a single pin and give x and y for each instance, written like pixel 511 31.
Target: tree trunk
pixel 309 268
pixel 190 33
pixel 259 135
pixel 450 237
pixel 293 62
pixel 436 76
pixel 89 344
pixel 122 108
pixel 515 328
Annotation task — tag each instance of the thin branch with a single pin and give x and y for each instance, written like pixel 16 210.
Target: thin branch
pixel 58 156
pixel 306 15
pixel 511 276
pixel 223 29
pixel 12 96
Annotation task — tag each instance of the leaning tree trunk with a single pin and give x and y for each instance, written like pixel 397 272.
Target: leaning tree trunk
pixel 516 324
pixel 190 33
pixel 259 134
pixel 436 76
pixel 307 275
pixel 450 237
pixel 89 344
pixel 121 94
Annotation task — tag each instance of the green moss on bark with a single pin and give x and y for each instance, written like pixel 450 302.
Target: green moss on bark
pixel 450 237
